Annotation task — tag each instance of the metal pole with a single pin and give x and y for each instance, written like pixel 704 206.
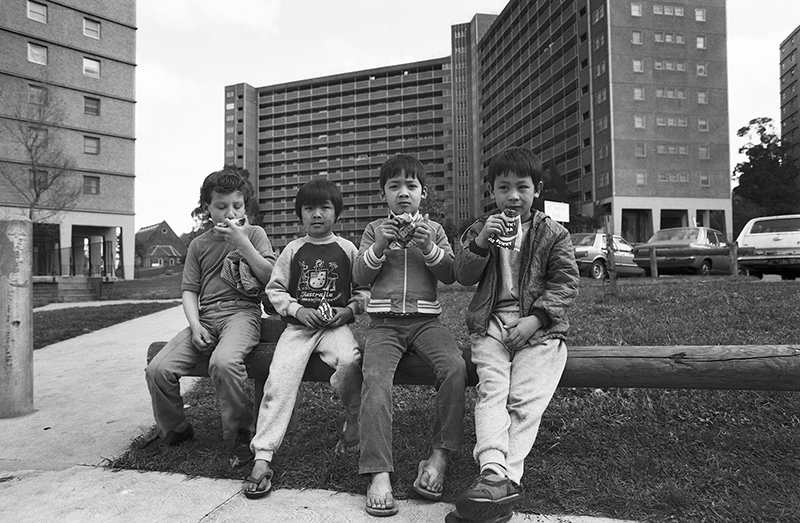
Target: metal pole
pixel 16 301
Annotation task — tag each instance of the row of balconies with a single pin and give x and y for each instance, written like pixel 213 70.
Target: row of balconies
pixel 344 86
pixel 427 117
pixel 392 95
pixel 376 111
pixel 353 136
pixel 332 155
pixel 374 158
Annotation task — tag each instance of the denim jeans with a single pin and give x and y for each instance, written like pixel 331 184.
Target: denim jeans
pixel 337 348
pixel 388 339
pixel 236 325
pixel 514 389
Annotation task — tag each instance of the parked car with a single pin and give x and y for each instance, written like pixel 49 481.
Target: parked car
pixel 694 250
pixel 771 245
pixel 591 255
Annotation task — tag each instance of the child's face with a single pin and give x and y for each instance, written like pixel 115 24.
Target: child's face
pixel 224 206
pixel 318 220
pixel 403 193
pixel 511 192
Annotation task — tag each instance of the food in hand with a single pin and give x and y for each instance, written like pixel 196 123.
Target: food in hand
pixel 239 222
pixel 405 229
pixel 325 310
pixel 510 239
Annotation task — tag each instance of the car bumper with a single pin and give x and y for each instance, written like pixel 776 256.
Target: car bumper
pixel 770 264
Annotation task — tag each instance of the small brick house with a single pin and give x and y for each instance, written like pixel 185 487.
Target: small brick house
pixel 158 246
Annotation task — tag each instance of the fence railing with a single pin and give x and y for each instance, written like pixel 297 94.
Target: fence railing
pixel 94 259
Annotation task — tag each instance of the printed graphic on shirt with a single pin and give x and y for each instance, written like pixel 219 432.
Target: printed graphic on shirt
pixel 318 283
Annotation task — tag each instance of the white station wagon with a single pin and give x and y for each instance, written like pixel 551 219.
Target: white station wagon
pixel 771 245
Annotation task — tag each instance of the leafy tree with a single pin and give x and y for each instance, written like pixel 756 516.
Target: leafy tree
pixel 32 124
pixel 434 207
pixel 768 181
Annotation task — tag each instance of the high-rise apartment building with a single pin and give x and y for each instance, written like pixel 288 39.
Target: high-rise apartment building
pixel 626 100
pixel 790 126
pixel 342 127
pixel 67 81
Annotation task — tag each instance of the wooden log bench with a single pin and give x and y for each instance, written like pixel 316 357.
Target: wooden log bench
pixel 728 367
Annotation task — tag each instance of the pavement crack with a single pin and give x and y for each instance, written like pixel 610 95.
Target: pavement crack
pixel 218 507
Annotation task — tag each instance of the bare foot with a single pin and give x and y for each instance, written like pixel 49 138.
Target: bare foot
pixel 260 481
pixel 380 500
pixel 430 474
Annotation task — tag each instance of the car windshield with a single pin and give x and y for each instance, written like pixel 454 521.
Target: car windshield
pixel 776 225
pixel 582 240
pixel 671 235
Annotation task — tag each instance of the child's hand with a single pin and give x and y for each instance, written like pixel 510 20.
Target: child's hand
pixel 341 315
pixel 311 318
pixel 202 340
pixel 234 233
pixel 519 331
pixel 385 234
pixel 495 226
pixel 423 235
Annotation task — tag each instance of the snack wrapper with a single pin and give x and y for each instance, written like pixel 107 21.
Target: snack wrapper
pixel 325 310
pixel 406 227
pixel 511 238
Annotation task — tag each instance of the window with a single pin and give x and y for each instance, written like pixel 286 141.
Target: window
pixel 683 121
pixel 661 121
pixel 678 10
pixel 703 152
pixel 91 185
pixel 681 92
pixel 601 95
pixel 659 92
pixel 636 37
pixel 600 68
pixel 705 180
pixel 641 149
pixel 701 42
pixel 37 95
pixel 638 66
pixel 91 28
pixel 37 53
pixel 601 124
pixel 702 97
pixel 701 70
pixel 91 106
pixel 599 41
pixel 636 9
pixel 91 67
pixel 603 179
pixel 669 37
pixel 659 64
pixel 639 121
pixel 669 10
pixel 37 12
pixel 641 178
pixel 91 145
pixel 679 39
pixel 602 152
pixel 638 93
pixel 658 37
pixel 700 15
pixel 702 124
pixel 600 13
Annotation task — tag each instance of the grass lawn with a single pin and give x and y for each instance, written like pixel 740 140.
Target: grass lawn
pixel 62 324
pixel 643 454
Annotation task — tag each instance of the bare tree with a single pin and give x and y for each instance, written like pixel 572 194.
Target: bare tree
pixel 41 173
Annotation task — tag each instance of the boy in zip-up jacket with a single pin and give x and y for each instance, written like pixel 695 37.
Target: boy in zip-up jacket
pixel 523 263
pixel 402 258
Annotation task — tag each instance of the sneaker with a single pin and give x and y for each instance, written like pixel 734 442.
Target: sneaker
pixel 242 455
pixel 454 517
pixel 489 497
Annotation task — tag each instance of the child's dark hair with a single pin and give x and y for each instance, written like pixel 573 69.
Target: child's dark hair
pixel 519 160
pixel 397 165
pixel 317 192
pixel 226 181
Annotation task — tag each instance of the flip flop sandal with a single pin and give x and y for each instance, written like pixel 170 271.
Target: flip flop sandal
pixel 422 491
pixel 383 512
pixel 259 493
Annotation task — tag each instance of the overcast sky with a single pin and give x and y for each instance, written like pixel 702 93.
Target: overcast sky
pixel 189 50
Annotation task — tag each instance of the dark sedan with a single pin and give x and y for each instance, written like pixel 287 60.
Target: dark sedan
pixel 694 250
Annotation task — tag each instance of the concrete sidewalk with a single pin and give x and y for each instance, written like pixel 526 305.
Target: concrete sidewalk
pixel 90 400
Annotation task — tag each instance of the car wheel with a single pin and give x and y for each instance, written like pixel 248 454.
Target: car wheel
pixel 705 268
pixel 598 270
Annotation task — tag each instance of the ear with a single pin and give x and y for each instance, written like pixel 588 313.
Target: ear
pixel 538 190
pixel 382 194
pixel 491 188
pixel 424 193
